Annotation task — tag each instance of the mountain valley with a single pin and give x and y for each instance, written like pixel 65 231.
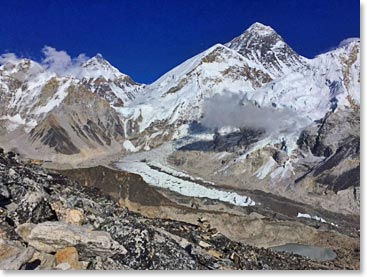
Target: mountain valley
pixel 248 137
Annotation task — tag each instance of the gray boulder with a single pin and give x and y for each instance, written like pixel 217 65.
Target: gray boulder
pixel 13 256
pixel 51 236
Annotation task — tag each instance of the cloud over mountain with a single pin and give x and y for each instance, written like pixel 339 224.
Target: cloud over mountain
pixel 231 110
pixel 53 60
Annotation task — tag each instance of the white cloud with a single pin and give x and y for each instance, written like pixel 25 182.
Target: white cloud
pixel 61 62
pixel 8 57
pixel 230 110
pixel 56 61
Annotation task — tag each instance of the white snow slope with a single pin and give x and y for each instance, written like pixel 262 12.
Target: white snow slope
pixel 308 87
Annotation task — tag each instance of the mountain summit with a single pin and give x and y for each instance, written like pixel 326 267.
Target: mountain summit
pixel 99 67
pixel 264 46
pixel 260 29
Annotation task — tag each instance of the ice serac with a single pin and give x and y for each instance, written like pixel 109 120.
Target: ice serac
pixel 263 46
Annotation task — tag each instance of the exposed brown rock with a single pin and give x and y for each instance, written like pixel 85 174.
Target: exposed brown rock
pixel 74 217
pixel 68 255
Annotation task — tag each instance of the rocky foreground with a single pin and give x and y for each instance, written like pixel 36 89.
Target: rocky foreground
pixel 50 222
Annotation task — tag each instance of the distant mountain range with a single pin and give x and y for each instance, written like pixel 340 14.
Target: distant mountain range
pixel 98 110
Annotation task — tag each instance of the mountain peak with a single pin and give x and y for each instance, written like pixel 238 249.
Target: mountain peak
pixel 99 67
pixel 97 59
pixel 98 62
pixel 263 45
pixel 99 56
pixel 260 29
pixel 257 34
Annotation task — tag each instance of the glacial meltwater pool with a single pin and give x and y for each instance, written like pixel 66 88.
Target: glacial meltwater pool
pixel 313 252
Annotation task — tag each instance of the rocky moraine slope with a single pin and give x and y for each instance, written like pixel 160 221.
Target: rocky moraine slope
pixel 48 221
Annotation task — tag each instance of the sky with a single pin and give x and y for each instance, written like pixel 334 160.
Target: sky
pixel 147 38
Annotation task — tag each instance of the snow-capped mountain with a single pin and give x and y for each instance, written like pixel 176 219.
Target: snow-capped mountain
pixel 264 47
pixel 259 66
pixel 99 76
pixel 69 114
pixel 97 106
pixel 178 94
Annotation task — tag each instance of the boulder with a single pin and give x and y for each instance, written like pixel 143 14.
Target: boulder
pixel 75 217
pixel 63 266
pixel 204 244
pixel 34 208
pixel 68 255
pixel 12 256
pixel 52 236
pixel 12 173
pixel 46 261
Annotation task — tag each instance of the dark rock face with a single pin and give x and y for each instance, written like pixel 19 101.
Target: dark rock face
pixel 350 149
pixel 327 174
pixel 236 141
pixel 336 138
pixel 4 195
pixel 55 137
pixel 261 43
pixel 119 185
pixel 68 128
pixel 330 132
pixel 111 236
pixel 232 142
pixel 280 157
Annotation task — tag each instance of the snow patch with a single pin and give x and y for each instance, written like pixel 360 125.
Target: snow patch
pixel 16 120
pixel 317 218
pixel 129 146
pixel 57 98
pixel 266 168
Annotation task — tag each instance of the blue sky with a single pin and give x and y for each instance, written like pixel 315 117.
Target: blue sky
pixel 146 38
